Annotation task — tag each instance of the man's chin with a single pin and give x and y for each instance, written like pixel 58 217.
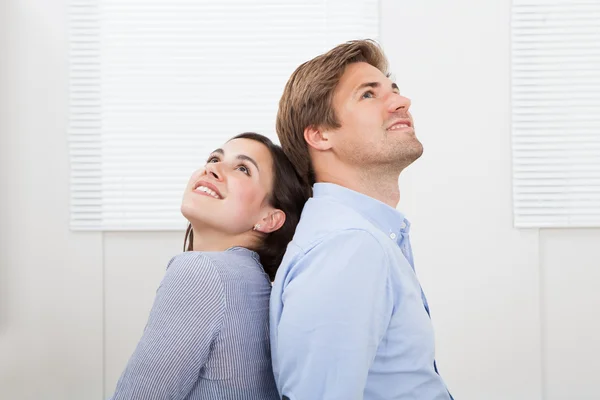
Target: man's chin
pixel 418 151
pixel 409 155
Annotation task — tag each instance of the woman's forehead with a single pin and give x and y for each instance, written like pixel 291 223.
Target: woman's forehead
pixel 248 147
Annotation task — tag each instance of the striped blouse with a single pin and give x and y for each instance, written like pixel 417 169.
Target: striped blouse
pixel 207 336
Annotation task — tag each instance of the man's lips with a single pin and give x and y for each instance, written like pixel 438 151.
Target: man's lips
pixel 399 124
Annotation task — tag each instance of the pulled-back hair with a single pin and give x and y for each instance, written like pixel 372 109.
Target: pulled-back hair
pixel 289 193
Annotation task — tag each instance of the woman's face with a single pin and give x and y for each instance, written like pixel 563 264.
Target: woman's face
pixel 230 193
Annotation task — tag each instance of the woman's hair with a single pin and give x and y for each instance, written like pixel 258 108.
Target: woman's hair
pixel 288 194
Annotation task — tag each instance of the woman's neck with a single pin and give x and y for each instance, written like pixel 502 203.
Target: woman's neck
pixel 210 240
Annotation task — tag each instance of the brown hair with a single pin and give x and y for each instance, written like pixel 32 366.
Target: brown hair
pixel 308 96
pixel 289 193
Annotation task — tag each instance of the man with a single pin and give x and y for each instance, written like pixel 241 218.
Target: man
pixel 348 317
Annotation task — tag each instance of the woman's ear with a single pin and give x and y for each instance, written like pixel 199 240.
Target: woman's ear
pixel 317 138
pixel 271 222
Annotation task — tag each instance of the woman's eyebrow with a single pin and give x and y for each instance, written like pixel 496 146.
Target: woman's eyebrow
pixel 246 158
pixel 242 157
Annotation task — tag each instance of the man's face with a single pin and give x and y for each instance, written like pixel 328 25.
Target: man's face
pixel 376 127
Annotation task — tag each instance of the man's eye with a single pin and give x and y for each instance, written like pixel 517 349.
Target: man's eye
pixel 368 94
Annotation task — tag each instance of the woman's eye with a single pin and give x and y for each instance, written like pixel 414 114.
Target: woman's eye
pixel 212 160
pixel 244 169
pixel 368 94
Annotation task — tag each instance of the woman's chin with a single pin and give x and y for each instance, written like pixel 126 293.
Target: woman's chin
pixel 186 211
pixel 195 216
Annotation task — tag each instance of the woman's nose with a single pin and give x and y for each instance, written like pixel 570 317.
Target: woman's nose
pixel 213 169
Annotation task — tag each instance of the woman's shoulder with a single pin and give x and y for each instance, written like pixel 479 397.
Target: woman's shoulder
pixel 193 270
pixel 220 262
pixel 190 260
pixel 233 255
pixel 230 265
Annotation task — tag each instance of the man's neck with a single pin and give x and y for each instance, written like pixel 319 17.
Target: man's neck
pixel 380 186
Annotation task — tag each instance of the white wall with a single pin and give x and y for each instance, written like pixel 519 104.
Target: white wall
pixel 51 279
pixel 480 274
pixel 570 273
pixel 514 310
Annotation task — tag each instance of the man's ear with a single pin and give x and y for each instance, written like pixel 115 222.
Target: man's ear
pixel 271 222
pixel 317 138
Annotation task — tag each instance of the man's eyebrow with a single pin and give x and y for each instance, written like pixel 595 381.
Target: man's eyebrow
pixel 246 158
pixel 374 85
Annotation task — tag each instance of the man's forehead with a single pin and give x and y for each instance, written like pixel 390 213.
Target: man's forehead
pixel 358 73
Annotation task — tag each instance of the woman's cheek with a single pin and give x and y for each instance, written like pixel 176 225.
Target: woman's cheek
pixel 249 198
pixel 241 194
pixel 242 189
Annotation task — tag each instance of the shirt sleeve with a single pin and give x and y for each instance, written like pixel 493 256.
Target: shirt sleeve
pixel 336 307
pixel 186 317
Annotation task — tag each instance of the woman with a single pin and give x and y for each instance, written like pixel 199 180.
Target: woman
pixel 207 335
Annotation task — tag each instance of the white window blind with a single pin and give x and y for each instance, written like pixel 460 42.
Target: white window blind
pixel 556 113
pixel 155 85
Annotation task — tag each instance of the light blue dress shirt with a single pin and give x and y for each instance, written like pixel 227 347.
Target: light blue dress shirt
pixel 347 313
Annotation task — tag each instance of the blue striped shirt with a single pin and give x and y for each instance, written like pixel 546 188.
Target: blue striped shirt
pixel 348 317
pixel 207 334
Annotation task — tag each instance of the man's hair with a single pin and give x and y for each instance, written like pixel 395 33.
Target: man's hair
pixel 307 99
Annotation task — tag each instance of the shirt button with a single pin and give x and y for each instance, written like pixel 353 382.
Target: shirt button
pixel 393 235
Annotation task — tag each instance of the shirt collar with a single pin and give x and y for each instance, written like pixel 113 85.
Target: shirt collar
pixel 389 220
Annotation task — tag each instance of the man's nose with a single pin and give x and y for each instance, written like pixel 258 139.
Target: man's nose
pixel 397 102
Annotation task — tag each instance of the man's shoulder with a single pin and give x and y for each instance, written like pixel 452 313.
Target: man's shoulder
pixel 324 219
pixel 323 215
pixel 331 230
pixel 337 252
